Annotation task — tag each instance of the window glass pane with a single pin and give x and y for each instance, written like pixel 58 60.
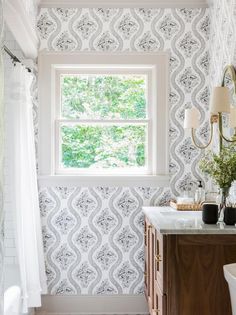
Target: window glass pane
pixel 103 146
pixel 103 96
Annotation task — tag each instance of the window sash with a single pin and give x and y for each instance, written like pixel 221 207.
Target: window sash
pixel 126 170
pixel 113 72
pixel 103 70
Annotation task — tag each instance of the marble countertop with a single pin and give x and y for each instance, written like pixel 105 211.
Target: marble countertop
pixel 170 221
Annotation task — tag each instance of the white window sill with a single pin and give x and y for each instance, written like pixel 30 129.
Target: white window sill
pixel 105 180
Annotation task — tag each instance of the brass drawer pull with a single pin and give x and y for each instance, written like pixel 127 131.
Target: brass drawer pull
pixel 158 258
pixel 157 311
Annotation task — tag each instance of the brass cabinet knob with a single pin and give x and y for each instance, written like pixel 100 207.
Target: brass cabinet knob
pixel 158 258
pixel 149 226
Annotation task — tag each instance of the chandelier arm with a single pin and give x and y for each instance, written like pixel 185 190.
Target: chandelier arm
pixel 204 146
pixel 223 137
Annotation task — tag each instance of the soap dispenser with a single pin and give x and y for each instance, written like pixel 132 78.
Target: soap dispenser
pixel 200 193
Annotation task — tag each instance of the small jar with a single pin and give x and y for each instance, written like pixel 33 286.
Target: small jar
pixel 210 213
pixel 229 215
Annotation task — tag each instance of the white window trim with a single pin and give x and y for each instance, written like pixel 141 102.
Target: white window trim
pixel 125 4
pixel 49 63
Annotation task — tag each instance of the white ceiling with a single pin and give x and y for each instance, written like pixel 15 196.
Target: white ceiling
pixel 125 3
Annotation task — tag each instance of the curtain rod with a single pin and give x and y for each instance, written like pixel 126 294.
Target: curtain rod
pixel 13 57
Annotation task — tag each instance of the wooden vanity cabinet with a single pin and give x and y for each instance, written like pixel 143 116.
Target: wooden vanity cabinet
pixel 184 273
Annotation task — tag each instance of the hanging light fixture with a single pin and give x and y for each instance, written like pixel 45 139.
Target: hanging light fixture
pixel 219 105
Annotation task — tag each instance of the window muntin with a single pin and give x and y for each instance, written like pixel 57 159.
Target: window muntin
pixel 103 123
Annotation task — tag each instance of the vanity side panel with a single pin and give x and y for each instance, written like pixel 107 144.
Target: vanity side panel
pixel 196 283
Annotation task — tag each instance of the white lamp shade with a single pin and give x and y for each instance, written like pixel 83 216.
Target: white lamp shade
pixel 220 100
pixel 232 117
pixel 191 118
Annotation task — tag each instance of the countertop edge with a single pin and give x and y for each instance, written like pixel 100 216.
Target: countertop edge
pixel 207 229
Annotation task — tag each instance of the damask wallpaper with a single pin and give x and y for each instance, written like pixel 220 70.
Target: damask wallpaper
pixel 93 237
pixel 222 38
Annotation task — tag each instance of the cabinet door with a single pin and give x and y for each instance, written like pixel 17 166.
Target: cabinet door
pixel 159 307
pixel 159 260
pixel 146 265
pixel 148 272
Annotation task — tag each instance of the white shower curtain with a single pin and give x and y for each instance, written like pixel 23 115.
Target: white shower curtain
pixel 22 185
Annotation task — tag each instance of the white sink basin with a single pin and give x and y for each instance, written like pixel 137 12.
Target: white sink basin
pixel 230 276
pixel 182 214
pixel 182 219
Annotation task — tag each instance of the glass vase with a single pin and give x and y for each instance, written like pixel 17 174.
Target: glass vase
pixel 224 193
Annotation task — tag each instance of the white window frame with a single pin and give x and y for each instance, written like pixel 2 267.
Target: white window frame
pixel 154 65
pixel 106 70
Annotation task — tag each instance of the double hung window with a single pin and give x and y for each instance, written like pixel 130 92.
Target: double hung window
pixel 102 122
pixel 103 115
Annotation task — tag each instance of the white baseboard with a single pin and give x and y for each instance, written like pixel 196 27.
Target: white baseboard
pixel 93 305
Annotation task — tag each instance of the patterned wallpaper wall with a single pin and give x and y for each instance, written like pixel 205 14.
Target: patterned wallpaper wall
pixel 93 237
pixel 222 38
